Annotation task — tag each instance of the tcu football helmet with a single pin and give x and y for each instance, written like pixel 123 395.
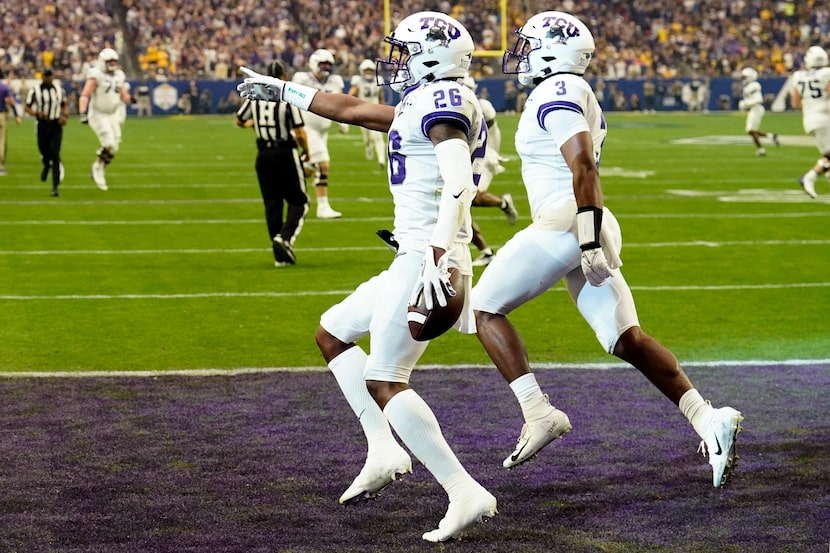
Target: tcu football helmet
pixel 109 59
pixel 816 56
pixel 320 62
pixel 426 46
pixel 748 75
pixel 549 43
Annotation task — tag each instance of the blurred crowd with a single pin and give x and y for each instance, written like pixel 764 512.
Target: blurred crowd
pixel 208 39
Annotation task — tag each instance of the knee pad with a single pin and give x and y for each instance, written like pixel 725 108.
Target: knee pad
pixel 321 180
pixel 105 153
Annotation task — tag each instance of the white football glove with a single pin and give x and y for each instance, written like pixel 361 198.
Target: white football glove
pixel 260 87
pixel 434 276
pixel 595 267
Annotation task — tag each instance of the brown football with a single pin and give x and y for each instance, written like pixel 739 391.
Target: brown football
pixel 427 324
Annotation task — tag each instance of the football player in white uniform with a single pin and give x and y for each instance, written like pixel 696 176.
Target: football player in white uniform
pixel 752 102
pixel 573 238
pixel 365 86
pixel 435 127
pixel 492 166
pixel 811 94
pixel 102 103
pixel 320 77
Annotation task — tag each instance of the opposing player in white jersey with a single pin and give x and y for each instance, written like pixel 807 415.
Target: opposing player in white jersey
pixel 436 136
pixel 320 77
pixel 811 94
pixel 102 102
pixel 490 168
pixel 752 102
pixel 573 238
pixel 365 86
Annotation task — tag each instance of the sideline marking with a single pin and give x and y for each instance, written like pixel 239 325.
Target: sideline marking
pixel 268 370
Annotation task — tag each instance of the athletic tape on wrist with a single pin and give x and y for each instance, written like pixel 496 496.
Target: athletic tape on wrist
pixel 298 95
pixel 588 225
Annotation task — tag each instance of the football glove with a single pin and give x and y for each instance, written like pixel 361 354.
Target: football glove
pixel 595 266
pixel 260 87
pixel 434 277
pixel 84 118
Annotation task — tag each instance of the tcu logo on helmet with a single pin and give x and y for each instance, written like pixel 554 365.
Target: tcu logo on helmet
pixel 435 23
pixel 561 28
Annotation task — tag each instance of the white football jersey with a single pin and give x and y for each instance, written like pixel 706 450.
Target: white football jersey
pixel 367 89
pixel 414 177
pixel 752 95
pixel 812 85
pixel 107 95
pixel 333 83
pixel 557 109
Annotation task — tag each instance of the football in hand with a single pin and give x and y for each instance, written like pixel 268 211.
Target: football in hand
pixel 426 324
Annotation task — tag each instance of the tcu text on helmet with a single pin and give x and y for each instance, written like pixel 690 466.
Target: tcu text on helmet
pixel 567 27
pixel 452 31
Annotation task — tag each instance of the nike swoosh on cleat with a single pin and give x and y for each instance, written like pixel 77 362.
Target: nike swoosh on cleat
pixel 516 455
pixel 720 450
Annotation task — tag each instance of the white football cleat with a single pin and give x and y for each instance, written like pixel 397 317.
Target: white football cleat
pixel 809 185
pixel 98 175
pixel 466 509
pixel 536 435
pixel 326 212
pixel 377 473
pixel 510 209
pixel 719 443
pixel 483 260
pixel 760 152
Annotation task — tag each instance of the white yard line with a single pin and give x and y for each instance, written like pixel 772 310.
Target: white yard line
pixel 263 370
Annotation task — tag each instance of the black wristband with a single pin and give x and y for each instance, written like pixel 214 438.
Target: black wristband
pixel 589 223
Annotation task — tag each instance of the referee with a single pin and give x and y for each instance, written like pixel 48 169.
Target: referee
pixel 47 102
pixel 279 167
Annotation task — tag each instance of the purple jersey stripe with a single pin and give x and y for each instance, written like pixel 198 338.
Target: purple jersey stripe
pixel 545 109
pixel 445 117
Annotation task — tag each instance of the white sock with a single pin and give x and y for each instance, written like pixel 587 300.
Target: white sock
pixel 419 430
pixel 487 251
pixel 348 370
pixel 531 399
pixel 696 409
pixel 322 201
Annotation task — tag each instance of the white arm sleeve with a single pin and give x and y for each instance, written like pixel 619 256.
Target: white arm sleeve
pixel 457 196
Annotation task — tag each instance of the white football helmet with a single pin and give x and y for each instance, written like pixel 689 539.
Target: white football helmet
pixel 426 46
pixel 367 65
pixel 549 43
pixel 815 57
pixel 748 75
pixel 321 62
pixel 109 59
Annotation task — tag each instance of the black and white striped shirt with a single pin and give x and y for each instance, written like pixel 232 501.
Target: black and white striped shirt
pixel 47 99
pixel 273 121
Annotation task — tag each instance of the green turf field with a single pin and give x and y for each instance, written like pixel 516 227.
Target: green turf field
pixel 172 269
